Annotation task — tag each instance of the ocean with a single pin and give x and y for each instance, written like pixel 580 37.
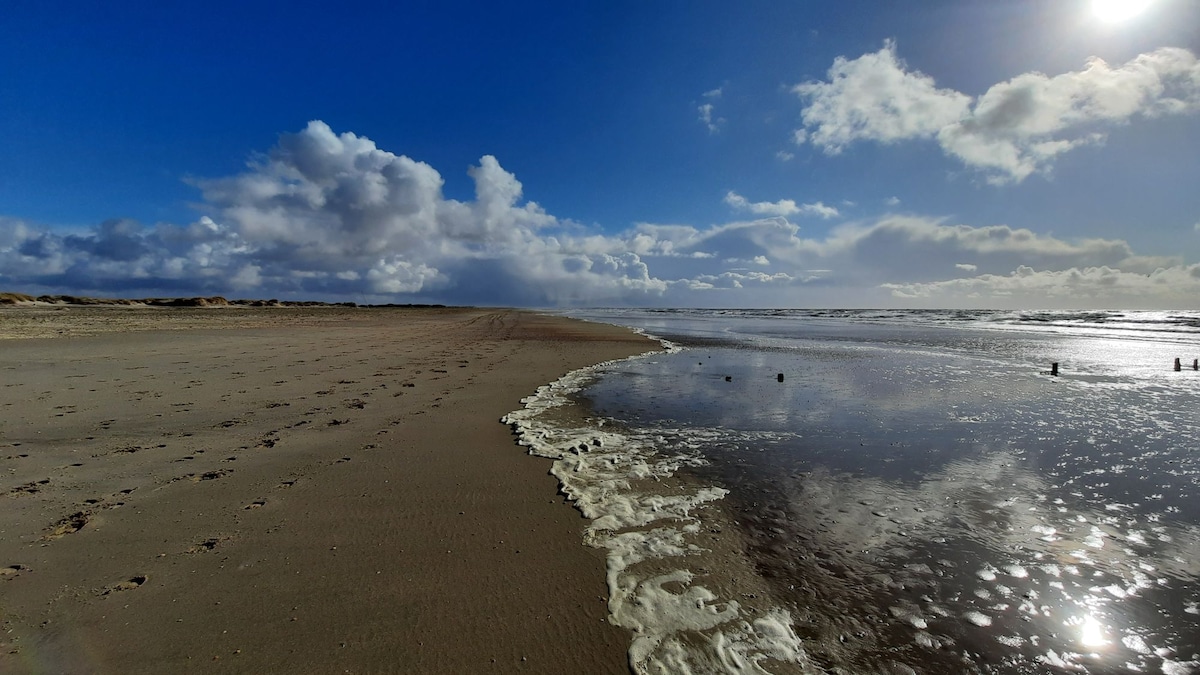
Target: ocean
pixel 891 491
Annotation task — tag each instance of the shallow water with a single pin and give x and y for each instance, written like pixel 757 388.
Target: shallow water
pixel 917 495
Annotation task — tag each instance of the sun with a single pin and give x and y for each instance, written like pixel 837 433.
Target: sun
pixel 1116 11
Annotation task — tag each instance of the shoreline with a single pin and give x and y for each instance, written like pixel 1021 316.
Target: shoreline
pixel 918 494
pixel 295 491
pixel 678 575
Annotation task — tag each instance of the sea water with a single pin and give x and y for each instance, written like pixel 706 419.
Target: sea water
pixel 891 491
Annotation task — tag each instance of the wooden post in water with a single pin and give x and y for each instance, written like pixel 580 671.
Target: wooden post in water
pixel 1195 364
pixel 779 377
pixel 1054 369
pixel 1177 366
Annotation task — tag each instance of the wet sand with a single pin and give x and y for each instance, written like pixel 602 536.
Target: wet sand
pixel 290 490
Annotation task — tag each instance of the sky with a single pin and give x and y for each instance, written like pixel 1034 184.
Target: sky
pixel 930 153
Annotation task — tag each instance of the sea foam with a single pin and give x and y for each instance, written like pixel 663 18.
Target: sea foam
pixel 646 522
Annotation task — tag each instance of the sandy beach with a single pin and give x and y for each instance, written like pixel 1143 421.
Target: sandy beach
pixel 290 490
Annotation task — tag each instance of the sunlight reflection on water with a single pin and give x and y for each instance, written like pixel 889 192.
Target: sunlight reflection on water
pixel 1091 632
pixel 925 497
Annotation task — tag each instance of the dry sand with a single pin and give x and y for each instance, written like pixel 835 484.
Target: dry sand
pixel 290 490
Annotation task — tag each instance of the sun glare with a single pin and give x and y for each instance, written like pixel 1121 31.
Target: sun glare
pixel 1116 11
pixel 1092 632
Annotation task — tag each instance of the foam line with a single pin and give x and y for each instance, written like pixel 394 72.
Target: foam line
pixel 639 515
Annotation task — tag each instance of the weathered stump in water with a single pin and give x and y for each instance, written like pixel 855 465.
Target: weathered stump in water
pixel 1177 366
pixel 779 377
pixel 1054 369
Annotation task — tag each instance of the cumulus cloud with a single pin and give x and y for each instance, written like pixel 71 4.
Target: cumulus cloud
pixel 1015 129
pixel 783 207
pixel 327 215
pixel 874 97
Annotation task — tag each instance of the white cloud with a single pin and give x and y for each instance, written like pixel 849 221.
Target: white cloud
pixel 785 156
pixel 1016 128
pixel 713 93
pixel 736 280
pixel 875 98
pixel 892 250
pixel 394 275
pixel 783 207
pixel 713 124
pixel 327 215
pixel 1026 287
pixel 892 201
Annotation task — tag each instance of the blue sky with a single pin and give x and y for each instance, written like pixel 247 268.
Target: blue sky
pixel 938 153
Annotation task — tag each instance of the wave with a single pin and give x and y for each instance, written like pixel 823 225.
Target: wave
pixel 650 521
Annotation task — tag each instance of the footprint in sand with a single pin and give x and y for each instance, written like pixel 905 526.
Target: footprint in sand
pixel 69 524
pixel 207 545
pixel 12 571
pixel 28 488
pixel 127 585
pixel 256 504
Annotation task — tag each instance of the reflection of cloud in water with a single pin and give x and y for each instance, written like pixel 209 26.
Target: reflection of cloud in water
pixel 925 499
pixel 977 553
